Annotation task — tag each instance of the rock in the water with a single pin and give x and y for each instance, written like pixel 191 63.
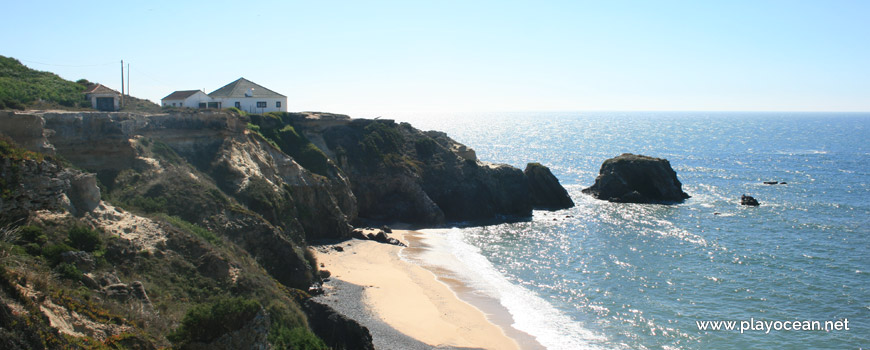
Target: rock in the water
pixel 631 178
pixel 397 242
pixel 748 200
pixel 771 182
pixel 546 191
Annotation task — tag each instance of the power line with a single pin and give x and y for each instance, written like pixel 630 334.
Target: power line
pixel 69 65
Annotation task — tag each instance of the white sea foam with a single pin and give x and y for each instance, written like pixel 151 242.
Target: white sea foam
pixel 531 313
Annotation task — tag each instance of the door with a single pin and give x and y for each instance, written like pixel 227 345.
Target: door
pixel 105 104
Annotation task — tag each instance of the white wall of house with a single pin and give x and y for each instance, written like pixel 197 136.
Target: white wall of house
pixel 191 101
pixel 255 104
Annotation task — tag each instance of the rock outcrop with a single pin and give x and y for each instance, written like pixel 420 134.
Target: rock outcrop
pixel 749 201
pixel 34 184
pixel 338 331
pixel 547 193
pixel 399 173
pixel 631 178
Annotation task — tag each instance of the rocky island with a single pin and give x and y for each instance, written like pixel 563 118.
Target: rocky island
pixel 631 178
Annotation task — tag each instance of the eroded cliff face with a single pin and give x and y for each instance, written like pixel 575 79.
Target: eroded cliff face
pixel 218 145
pixel 206 168
pixel 211 209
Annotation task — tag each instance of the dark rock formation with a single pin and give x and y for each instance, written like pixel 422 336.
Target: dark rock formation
pixel 399 173
pixel 631 178
pixel 748 200
pixel 338 331
pixel 547 193
pixel 81 260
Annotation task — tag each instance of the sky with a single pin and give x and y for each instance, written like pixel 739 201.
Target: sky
pixel 377 57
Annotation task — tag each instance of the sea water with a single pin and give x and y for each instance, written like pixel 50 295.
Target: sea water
pixel 629 276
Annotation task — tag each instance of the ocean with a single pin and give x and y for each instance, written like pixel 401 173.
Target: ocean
pixel 628 276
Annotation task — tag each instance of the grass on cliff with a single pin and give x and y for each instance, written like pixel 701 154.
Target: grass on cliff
pixel 10 150
pixel 21 86
pixel 277 129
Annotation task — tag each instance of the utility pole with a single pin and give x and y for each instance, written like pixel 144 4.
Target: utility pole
pixel 122 83
pixel 128 78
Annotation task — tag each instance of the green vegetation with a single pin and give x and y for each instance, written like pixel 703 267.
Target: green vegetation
pixel 21 86
pixel 192 228
pixel 276 128
pixel 206 322
pixel 380 139
pixel 236 111
pixel 9 149
pixel 84 238
pixel 425 147
pixel 165 152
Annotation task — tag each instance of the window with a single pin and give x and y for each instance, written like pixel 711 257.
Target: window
pixel 238 104
pixel 202 105
pixel 277 104
pixel 261 104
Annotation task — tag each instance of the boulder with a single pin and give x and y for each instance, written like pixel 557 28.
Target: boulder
pixel 394 241
pixel 381 237
pixel 81 260
pixel 138 291
pixel 358 234
pixel 631 178
pixel 546 191
pixel 118 291
pixel 748 200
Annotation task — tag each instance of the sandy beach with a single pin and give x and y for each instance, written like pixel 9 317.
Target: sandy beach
pixel 409 298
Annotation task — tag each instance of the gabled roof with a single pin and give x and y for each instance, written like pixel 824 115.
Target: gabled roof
pixel 240 87
pixel 180 95
pixel 101 89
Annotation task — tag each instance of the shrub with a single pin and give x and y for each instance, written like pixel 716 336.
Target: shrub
pixel 32 234
pixel 299 338
pixel 52 252
pixel 68 271
pixel 288 329
pixel 84 238
pixel 206 322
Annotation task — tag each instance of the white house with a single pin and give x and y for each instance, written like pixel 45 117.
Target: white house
pixel 249 97
pixel 189 99
pixel 103 98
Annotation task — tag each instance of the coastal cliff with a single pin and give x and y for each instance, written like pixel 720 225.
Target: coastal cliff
pixel 400 173
pixel 162 221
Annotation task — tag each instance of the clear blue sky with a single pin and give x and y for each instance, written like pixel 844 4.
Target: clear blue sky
pixel 381 56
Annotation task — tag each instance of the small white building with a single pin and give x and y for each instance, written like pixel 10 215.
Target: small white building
pixel 189 99
pixel 249 97
pixel 103 98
